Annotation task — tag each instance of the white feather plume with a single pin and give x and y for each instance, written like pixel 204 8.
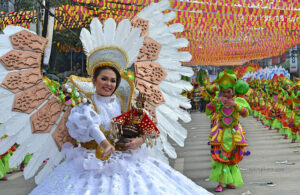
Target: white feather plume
pixel 130 41
pixel 96 33
pixel 10 30
pixel 132 38
pixel 174 28
pixel 6 144
pixel 171 87
pixel 164 39
pixel 11 128
pixel 122 31
pixel 86 39
pixel 169 16
pixel 134 50
pixel 18 156
pixel 179 43
pixel 109 31
pixel 54 160
pixel 6 107
pixel 169 64
pixel 163 5
pixel 5 45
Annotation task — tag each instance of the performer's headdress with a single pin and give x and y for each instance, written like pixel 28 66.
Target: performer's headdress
pixel 286 81
pixel 109 45
pixel 241 87
pixel 226 79
pixel 297 82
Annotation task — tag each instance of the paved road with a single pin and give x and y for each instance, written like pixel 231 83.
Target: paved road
pixel 267 148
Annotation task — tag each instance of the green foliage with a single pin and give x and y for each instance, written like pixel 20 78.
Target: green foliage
pixel 67 38
pixel 52 72
pixel 286 65
pixel 28 5
pixel 24 5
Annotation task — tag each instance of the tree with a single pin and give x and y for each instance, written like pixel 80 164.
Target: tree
pixel 66 38
pixel 28 5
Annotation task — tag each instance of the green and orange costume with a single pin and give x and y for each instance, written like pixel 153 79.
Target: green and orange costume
pixel 227 138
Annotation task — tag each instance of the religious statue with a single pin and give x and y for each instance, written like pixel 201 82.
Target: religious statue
pixel 134 123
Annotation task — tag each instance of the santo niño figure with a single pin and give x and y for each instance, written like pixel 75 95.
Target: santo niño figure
pixel 135 123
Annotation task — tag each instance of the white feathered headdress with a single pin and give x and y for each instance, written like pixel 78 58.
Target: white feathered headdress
pixel 111 45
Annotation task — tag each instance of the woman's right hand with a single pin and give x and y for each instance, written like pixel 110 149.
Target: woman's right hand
pixel 221 99
pixel 107 147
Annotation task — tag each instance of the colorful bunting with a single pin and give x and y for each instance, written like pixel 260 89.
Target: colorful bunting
pixel 220 32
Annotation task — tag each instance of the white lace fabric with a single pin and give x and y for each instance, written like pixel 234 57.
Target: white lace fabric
pixel 125 173
pixel 83 122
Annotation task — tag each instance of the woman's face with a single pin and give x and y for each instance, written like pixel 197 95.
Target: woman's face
pixel 228 93
pixel 106 82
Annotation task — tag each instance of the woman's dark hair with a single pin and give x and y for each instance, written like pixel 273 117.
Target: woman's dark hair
pixel 98 70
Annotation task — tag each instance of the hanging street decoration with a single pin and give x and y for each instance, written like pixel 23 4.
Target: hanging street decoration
pixel 220 32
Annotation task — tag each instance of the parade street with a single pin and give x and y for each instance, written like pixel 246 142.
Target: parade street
pixel 273 160
pixel 273 168
pixel 95 97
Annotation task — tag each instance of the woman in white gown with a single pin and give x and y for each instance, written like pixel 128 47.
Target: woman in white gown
pixel 131 172
pixel 38 119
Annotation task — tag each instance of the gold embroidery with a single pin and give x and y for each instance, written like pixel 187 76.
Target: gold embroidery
pixel 131 83
pixel 93 145
pixel 88 95
pixel 102 62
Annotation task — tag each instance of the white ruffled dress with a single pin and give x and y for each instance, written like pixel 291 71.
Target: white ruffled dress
pixel 125 173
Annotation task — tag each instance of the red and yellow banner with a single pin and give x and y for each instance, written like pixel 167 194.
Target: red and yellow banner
pixel 220 32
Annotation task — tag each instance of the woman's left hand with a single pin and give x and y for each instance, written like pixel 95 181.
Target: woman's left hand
pixel 134 143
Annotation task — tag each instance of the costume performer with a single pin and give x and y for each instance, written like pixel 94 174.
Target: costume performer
pixel 277 107
pixel 287 107
pixel 3 168
pixel 108 92
pixel 296 111
pixel 227 139
pixel 4 161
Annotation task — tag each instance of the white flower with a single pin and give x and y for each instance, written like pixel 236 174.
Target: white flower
pixel 69 90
